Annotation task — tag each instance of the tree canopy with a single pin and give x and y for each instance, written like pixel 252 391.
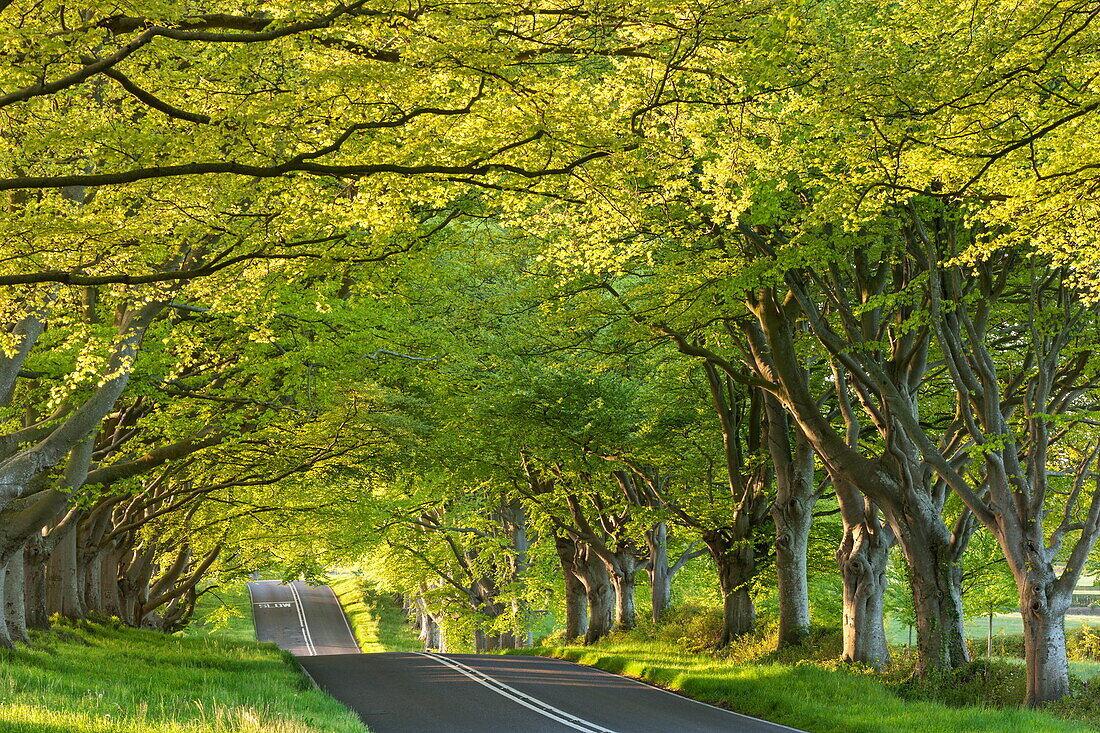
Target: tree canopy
pixel 514 302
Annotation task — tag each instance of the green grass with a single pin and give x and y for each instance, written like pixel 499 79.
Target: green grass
pixel 376 619
pixel 978 628
pixel 1006 630
pixel 815 696
pixel 103 678
pixel 1083 670
pixel 224 612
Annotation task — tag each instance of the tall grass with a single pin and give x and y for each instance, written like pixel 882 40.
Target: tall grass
pixel 85 678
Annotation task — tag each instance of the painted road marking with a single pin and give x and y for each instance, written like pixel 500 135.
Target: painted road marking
pixel 273 604
pixel 527 701
pixel 302 618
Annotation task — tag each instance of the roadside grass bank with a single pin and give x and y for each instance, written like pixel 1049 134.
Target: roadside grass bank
pixel 106 678
pixel 378 622
pixel 224 612
pixel 810 690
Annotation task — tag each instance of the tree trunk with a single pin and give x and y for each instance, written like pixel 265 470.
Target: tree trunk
pixel 15 612
pixel 1043 608
pixel 136 572
pixel 1045 652
pixel 936 580
pixel 437 636
pixel 93 584
pixel 792 513
pixel 576 599
pixel 516 523
pixel 34 588
pixel 5 635
pixel 736 564
pixel 597 586
pixel 660 573
pixel 108 584
pixel 481 644
pixel 576 607
pixel 433 638
pixel 792 538
pixel 626 616
pixel 863 555
pixel 738 611
pixel 62 578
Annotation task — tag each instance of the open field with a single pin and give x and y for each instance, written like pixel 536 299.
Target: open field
pixel 977 628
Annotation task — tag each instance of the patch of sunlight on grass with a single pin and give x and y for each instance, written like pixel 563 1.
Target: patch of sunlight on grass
pixel 978 628
pixel 807 695
pixel 224 612
pixel 378 622
pixel 106 678
pixel 1082 669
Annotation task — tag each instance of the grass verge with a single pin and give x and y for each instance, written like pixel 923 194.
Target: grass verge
pixel 376 619
pixel 811 696
pixel 106 678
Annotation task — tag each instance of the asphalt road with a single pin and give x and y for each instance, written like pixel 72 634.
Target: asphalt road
pixel 411 692
pixel 303 619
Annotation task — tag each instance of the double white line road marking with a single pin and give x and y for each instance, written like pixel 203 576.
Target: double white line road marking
pixel 567 719
pixel 302 619
pixel 306 635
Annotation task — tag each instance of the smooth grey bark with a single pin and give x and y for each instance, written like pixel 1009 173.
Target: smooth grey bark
pixel 14 609
pixel 626 614
pixel 172 595
pixel 92 588
pixel 792 512
pixel 735 560
pixel 91 533
pixel 435 638
pixel 576 607
pixel 1044 639
pixel 34 585
pixel 935 575
pixel 26 331
pixel 596 579
pixel 432 634
pixel 63 591
pixel 514 520
pixel 619 555
pixel 862 557
pixel 576 598
pixel 109 579
pixel 659 571
pixel 792 525
pixel 900 482
pixel 18 471
pixel 5 633
pixel 1016 410
pixel 136 574
pixel 734 547
pixel 22 522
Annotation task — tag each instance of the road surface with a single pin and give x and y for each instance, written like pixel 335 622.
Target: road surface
pixel 413 692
